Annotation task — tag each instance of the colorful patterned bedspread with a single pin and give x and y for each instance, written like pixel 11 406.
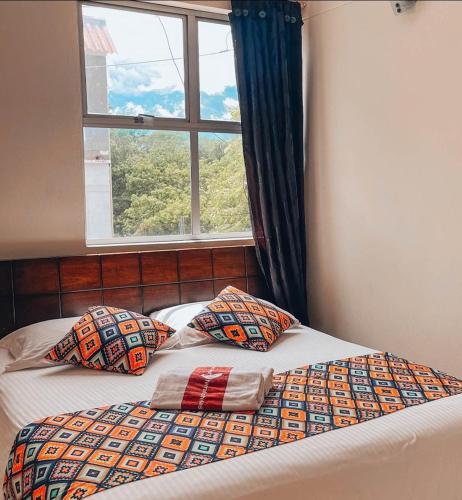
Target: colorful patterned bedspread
pixel 77 454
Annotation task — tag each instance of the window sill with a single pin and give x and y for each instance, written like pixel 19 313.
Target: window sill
pixel 172 245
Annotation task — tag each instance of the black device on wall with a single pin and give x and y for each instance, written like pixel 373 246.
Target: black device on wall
pixel 400 7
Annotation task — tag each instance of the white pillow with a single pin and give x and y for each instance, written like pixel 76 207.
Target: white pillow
pixel 178 318
pixel 5 358
pixel 30 344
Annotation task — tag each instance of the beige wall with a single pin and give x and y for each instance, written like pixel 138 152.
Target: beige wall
pixel 385 177
pixel 211 5
pixel 41 175
pixel 42 198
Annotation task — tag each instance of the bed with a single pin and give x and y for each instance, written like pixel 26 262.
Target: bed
pixel 411 454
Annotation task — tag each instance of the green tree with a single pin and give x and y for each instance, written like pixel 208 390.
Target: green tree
pixel 151 183
pixel 151 186
pixel 223 190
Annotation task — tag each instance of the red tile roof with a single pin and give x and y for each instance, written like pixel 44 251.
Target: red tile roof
pixel 97 40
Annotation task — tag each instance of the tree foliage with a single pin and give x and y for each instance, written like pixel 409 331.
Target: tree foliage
pixel 151 186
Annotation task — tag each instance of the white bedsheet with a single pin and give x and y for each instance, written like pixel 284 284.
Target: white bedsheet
pixel 411 454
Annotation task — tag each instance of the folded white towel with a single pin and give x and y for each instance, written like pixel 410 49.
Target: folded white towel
pixel 214 388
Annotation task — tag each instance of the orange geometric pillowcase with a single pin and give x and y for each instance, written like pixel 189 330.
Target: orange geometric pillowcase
pixel 112 339
pixel 235 317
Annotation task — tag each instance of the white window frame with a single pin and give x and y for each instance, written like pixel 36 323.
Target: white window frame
pixel 192 122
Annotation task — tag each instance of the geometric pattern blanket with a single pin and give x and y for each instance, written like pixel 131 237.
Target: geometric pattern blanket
pixel 74 455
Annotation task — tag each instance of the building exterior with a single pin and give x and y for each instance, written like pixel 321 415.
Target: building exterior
pixel 98 45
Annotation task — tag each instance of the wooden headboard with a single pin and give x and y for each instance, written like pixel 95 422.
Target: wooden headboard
pixel 38 289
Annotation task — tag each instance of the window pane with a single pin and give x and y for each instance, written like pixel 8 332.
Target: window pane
pixel 137 183
pixel 222 184
pixel 218 89
pixel 133 62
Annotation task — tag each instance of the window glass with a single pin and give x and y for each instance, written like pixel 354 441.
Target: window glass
pixel 137 183
pixel 134 62
pixel 224 204
pixel 218 89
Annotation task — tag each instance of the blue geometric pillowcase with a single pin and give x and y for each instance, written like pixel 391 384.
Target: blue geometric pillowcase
pixel 237 318
pixel 112 339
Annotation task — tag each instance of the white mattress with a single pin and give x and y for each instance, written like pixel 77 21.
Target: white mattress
pixel 411 454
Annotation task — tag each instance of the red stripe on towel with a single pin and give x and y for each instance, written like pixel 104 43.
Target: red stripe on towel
pixel 206 388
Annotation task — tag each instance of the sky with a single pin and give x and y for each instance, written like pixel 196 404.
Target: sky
pixel 157 87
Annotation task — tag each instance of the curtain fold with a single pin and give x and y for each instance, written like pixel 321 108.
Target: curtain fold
pixel 268 57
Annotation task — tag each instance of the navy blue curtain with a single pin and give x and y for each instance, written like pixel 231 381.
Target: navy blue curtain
pixel 268 57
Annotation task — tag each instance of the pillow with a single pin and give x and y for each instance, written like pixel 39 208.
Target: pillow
pixel 5 359
pixel 29 345
pixel 112 339
pixel 237 318
pixel 178 318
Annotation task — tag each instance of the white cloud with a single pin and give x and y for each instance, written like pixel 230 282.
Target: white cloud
pixel 231 103
pixel 137 80
pixel 162 112
pixel 139 40
pixel 133 109
pixel 166 79
pixel 179 109
pixel 130 108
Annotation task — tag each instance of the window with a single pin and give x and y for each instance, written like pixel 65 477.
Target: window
pixel 162 143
